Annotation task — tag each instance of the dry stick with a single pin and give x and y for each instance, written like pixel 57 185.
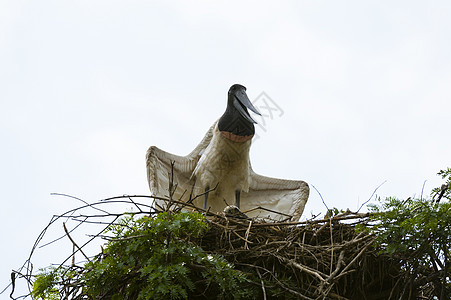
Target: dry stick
pixel 217 224
pixel 442 192
pixel 393 289
pixel 172 187
pixel 183 203
pixel 278 281
pixel 75 245
pixel 371 196
pixel 445 254
pixel 267 209
pixel 76 198
pixel 57 239
pixel 263 283
pixel 333 295
pixel 332 245
pixel 355 258
pixel 200 195
pixel 422 190
pixel 317 232
pixel 137 206
pixel 191 193
pixel 301 267
pixel 13 283
pixel 90 240
pixel 244 239
pixel 247 236
pixel 357 216
pixel 334 273
pixel 320 196
pixel 73 256
pixel 75 219
pixel 125 238
pixel 356 240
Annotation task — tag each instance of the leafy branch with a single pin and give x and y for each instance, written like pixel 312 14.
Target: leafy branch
pixel 419 232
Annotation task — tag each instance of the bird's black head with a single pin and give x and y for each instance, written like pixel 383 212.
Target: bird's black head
pixel 236 119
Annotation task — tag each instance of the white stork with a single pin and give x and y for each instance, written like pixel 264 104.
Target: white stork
pixel 219 168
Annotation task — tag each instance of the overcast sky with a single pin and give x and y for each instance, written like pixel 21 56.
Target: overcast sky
pixel 359 91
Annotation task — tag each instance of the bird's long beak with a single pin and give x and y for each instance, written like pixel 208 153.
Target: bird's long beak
pixel 241 100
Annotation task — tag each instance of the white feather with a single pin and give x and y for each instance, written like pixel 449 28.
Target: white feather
pixel 224 164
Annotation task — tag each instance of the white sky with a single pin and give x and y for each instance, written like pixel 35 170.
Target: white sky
pixel 87 86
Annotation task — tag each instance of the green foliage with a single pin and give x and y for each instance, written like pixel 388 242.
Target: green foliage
pixel 445 188
pixel 411 225
pixel 44 286
pixel 418 231
pixel 332 212
pixel 154 258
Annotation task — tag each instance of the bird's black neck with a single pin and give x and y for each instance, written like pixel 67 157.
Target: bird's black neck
pixel 232 122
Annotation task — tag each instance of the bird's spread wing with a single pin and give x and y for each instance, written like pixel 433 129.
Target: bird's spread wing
pixel 266 197
pixel 160 172
pixel 272 194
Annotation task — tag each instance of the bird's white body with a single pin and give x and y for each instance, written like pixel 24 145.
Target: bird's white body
pixel 222 163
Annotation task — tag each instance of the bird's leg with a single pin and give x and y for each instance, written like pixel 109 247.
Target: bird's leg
pixel 237 198
pixel 206 197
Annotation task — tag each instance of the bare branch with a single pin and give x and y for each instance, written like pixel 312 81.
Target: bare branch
pixel 75 244
pixel 375 190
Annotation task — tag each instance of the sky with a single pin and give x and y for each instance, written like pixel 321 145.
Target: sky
pixel 354 94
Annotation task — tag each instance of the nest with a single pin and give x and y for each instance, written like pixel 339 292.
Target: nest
pixel 326 258
pixel 315 259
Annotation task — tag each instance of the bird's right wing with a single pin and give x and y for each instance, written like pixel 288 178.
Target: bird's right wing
pixel 273 194
pixel 164 168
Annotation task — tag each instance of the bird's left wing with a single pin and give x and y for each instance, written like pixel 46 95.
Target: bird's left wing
pixel 288 197
pixel 164 168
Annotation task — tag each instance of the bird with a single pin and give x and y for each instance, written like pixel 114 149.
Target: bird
pixel 233 211
pixel 218 172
